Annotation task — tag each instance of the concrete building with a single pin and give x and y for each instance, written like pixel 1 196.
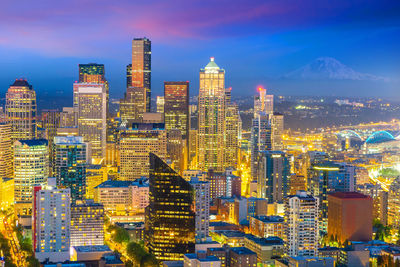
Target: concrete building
pixel 301 224
pixel 91 104
pixel 349 216
pixel 266 248
pixel 200 259
pixel 241 257
pixel 51 223
pixel 6 155
pixel 202 208
pixel 87 223
pixel 266 226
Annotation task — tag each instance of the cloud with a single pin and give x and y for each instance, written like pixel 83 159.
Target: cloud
pixel 81 26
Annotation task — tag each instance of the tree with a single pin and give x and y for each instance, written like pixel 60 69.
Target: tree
pixel 120 235
pixel 140 256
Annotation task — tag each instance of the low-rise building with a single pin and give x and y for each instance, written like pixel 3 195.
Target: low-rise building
pixel 200 259
pixel 266 249
pixel 265 226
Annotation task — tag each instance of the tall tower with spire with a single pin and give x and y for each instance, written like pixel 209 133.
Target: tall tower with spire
pixel 211 152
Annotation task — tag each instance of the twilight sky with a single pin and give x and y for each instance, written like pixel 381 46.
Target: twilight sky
pixel 268 42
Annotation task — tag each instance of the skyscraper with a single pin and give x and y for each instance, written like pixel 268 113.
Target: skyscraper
pixel 277 126
pixel 51 223
pixel 263 102
pixel 202 208
pixel 135 144
pixel 301 225
pixel 231 133
pixel 91 73
pixel 211 152
pixel 327 177
pixel 170 220
pixel 141 67
pixel 69 164
pixel 50 122
pixel 21 110
pixel 133 105
pixel 160 104
pixel 92 121
pixel 6 156
pixel 260 139
pixel 31 167
pixel 176 107
pixel 273 175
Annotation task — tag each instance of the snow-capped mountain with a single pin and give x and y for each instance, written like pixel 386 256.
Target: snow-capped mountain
pixel 325 68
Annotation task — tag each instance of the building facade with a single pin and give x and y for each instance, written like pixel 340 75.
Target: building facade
pixel 21 110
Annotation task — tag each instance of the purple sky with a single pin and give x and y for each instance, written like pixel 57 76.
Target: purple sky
pixel 255 41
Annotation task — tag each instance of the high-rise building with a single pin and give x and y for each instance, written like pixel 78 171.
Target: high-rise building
pixel 202 208
pixel 349 217
pixel 260 139
pixel 176 148
pixel 170 220
pixel 31 167
pixel 21 110
pixel 301 224
pixel 277 131
pixel 393 204
pixel 141 67
pixel 50 122
pixel 263 103
pixel 211 152
pixel 135 144
pixel 87 223
pixel 326 177
pixel 68 117
pixel 133 105
pixel 128 75
pixel 51 223
pixel 6 192
pixel 69 164
pixel 92 73
pixel 176 107
pixel 160 104
pixel 92 120
pixel 6 156
pixel 231 131
pixel 273 176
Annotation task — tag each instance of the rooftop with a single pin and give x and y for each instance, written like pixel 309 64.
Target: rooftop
pixel 269 219
pixel 22 83
pixel 141 182
pixel 349 195
pixel 269 241
pixel 242 251
pixel 34 142
pixel 96 248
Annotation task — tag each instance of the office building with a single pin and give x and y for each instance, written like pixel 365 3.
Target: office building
pixel 211 120
pixel 31 167
pixel 133 105
pixel 68 117
pixel 231 132
pixel 92 121
pixel 273 176
pixel 202 208
pixel 261 139
pixel 267 249
pixel 6 155
pixel 123 196
pixel 87 223
pixel 176 150
pixel 263 103
pixel 170 220
pixel 141 67
pixel 393 204
pixel 135 144
pixel 6 193
pixel 326 177
pixel 176 107
pixel 69 166
pixel 301 224
pixel 160 104
pixel 277 126
pixel 349 217
pixel 21 110
pixel 51 223
pixel 92 73
pixel 128 75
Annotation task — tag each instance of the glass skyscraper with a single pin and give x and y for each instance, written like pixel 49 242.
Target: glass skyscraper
pixel 170 219
pixel 69 166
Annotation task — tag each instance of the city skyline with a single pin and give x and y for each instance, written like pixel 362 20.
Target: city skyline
pixel 275 39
